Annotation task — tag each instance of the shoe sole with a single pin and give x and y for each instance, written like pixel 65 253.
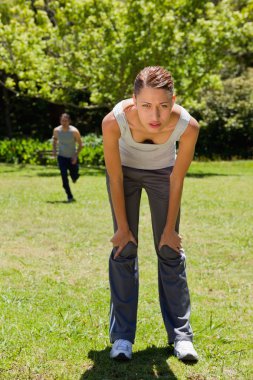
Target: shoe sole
pixel 121 357
pixel 75 180
pixel 187 358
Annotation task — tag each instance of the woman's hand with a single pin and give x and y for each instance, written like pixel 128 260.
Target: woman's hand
pixel 172 239
pixel 120 240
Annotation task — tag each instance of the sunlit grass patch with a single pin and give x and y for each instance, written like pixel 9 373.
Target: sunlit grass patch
pixel 54 300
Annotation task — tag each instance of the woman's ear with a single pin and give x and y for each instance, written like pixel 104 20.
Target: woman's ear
pixel 134 100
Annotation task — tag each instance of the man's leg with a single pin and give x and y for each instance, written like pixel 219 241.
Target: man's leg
pixel 173 290
pixel 123 271
pixel 74 171
pixel 63 165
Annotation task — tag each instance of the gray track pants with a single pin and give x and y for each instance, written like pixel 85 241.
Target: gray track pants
pixel 123 271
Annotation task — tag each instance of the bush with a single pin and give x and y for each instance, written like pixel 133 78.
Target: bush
pixel 226 119
pixel 22 151
pixel 92 153
pixel 35 152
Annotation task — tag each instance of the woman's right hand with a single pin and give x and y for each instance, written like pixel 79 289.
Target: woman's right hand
pixel 120 240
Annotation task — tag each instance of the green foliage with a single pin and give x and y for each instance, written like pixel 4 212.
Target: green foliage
pixel 33 151
pixel 226 119
pixel 92 153
pixel 52 49
pixel 22 151
pixel 58 47
pixel 86 53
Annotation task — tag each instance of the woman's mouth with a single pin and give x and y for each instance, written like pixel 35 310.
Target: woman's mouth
pixel 154 124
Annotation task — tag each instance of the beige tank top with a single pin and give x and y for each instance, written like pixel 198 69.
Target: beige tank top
pixel 148 156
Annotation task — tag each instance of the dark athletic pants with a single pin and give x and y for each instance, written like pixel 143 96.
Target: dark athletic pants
pixel 66 165
pixel 123 271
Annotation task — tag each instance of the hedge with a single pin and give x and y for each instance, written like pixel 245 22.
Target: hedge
pixel 35 152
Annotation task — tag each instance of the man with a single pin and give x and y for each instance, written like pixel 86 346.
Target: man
pixel 67 137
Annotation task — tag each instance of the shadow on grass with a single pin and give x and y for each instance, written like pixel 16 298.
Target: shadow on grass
pixel 99 172
pixel 91 171
pixel 61 202
pixel 47 170
pixel 145 365
pixel 53 171
pixel 203 175
pixel 48 174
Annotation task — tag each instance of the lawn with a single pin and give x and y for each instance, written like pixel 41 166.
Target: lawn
pixel 54 299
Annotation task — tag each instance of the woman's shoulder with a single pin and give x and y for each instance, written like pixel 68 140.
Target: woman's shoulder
pixel 180 113
pixel 175 115
pixel 130 112
pixel 177 110
pixel 127 103
pixel 120 109
pixel 124 106
pixel 110 125
pixel 128 107
pixel 191 124
pixel 109 119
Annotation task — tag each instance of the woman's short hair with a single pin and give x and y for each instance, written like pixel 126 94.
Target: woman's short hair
pixel 154 77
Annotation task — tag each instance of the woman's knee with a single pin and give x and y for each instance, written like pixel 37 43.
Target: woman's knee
pixel 169 256
pixel 128 252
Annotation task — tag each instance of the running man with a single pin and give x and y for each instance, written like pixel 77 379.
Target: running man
pixel 67 137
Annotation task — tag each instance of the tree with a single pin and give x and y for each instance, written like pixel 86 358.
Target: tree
pixel 226 117
pixel 88 52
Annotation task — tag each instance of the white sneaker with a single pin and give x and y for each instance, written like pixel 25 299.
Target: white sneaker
pixel 121 350
pixel 184 350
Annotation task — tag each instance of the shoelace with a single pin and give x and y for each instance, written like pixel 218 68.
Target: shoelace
pixel 185 346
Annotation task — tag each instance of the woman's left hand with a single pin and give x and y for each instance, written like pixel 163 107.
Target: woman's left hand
pixel 172 239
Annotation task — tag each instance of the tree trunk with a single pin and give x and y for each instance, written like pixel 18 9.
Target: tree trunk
pixel 7 119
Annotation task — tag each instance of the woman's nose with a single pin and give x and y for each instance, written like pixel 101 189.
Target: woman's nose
pixel 156 114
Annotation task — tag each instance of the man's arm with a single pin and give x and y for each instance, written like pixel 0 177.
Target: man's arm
pixel 55 140
pixel 79 142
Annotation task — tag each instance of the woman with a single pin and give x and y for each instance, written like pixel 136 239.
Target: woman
pixel 140 137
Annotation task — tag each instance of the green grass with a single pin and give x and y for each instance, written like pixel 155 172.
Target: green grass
pixel 54 298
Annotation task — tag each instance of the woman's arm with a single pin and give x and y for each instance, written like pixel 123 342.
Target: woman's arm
pixel 111 135
pixel 184 158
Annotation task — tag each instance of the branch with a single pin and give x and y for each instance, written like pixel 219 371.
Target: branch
pixel 66 104
pixel 50 13
pixel 9 89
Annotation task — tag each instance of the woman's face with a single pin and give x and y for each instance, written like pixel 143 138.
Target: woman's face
pixel 154 108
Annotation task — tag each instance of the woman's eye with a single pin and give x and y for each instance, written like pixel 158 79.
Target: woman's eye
pixel 146 105
pixel 164 106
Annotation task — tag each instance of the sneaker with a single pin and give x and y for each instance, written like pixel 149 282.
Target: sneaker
pixel 184 350
pixel 121 350
pixel 75 179
pixel 71 200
